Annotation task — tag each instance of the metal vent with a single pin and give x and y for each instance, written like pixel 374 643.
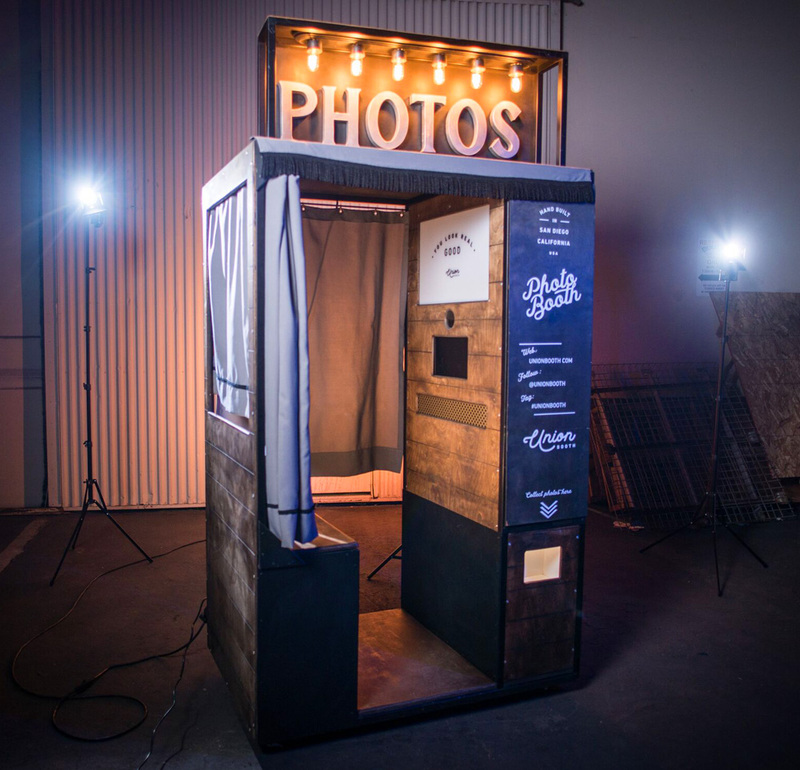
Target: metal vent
pixel 452 409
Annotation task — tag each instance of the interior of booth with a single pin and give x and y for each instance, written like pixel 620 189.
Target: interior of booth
pixel 368 333
pixel 392 369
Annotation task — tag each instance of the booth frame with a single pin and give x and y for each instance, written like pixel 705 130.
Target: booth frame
pixel 283 624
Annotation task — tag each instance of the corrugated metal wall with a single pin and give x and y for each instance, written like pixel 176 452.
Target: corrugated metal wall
pixel 150 98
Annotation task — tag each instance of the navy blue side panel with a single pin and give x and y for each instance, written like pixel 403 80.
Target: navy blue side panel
pixel 549 345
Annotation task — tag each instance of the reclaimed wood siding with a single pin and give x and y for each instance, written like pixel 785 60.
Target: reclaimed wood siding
pixel 453 465
pixel 541 624
pixel 231 533
pixel 232 506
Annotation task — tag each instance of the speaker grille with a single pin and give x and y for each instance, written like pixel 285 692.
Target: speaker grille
pixel 465 412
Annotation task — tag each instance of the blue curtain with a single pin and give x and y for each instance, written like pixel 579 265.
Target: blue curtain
pixel 228 273
pixel 286 386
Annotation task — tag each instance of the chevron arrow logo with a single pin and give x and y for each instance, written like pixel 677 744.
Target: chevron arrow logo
pixel 548 510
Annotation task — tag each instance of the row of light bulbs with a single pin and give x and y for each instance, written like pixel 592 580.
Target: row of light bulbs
pixel 357 55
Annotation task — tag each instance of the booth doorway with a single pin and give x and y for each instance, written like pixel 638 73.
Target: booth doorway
pixel 356 278
pixel 357 256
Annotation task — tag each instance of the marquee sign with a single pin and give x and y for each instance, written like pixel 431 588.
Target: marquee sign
pixel 370 88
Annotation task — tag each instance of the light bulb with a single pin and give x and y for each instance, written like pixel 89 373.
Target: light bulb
pixel 477 71
pixel 356 59
pixel 439 63
pixel 313 50
pixel 398 64
pixel 515 73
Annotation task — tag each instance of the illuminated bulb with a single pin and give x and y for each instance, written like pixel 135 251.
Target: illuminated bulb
pixel 732 251
pixel 477 72
pixel 515 73
pixel 439 63
pixel 356 59
pixel 313 50
pixel 89 199
pixel 398 63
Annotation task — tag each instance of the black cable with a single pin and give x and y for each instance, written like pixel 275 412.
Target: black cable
pixel 192 636
pixel 183 741
pixel 78 691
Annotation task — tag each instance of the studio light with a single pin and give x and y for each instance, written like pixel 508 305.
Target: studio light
pixel 90 200
pixel 356 59
pixel 477 70
pixel 398 64
pixel 313 51
pixel 439 63
pixel 515 73
pixel 732 254
pixel 709 510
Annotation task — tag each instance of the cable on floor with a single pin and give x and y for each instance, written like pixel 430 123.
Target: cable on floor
pixel 192 636
pixel 77 694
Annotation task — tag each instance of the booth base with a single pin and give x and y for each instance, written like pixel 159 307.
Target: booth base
pixel 400 661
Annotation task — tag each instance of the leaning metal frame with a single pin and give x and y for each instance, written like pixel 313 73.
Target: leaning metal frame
pixel 651 428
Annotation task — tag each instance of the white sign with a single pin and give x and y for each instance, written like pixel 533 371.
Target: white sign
pixel 454 258
pixel 708 263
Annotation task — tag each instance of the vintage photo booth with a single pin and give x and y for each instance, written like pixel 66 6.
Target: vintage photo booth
pixel 446 332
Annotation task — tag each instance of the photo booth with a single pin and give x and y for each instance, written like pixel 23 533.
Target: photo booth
pixel 449 335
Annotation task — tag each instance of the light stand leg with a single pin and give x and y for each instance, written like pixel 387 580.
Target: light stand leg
pixel 393 555
pixel 699 514
pixel 73 538
pixel 102 506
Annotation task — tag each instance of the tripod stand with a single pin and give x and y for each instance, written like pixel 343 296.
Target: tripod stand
pixel 92 214
pixel 709 508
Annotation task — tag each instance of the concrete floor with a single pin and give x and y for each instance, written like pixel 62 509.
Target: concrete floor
pixel 671 675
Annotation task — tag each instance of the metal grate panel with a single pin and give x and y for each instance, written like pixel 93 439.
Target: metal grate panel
pixel 464 412
pixel 651 441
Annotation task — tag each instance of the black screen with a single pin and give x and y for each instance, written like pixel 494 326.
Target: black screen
pixel 450 357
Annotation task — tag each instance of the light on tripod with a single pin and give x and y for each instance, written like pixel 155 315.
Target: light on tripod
pixel 729 258
pixel 90 200
pixel 92 208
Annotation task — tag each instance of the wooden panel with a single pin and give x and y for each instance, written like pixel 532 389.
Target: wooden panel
pixel 539 599
pixel 234 442
pixel 465 311
pixel 454 465
pixel 241 521
pixel 229 625
pixel 223 543
pixel 480 444
pixel 484 372
pixel 764 343
pixel 234 477
pixel 238 677
pixel 443 205
pixel 527 659
pixel 227 563
pixel 483 335
pixel 443 493
pixel 541 626
pixel 479 479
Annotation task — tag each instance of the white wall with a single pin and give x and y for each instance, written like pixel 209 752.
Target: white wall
pixel 689 114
